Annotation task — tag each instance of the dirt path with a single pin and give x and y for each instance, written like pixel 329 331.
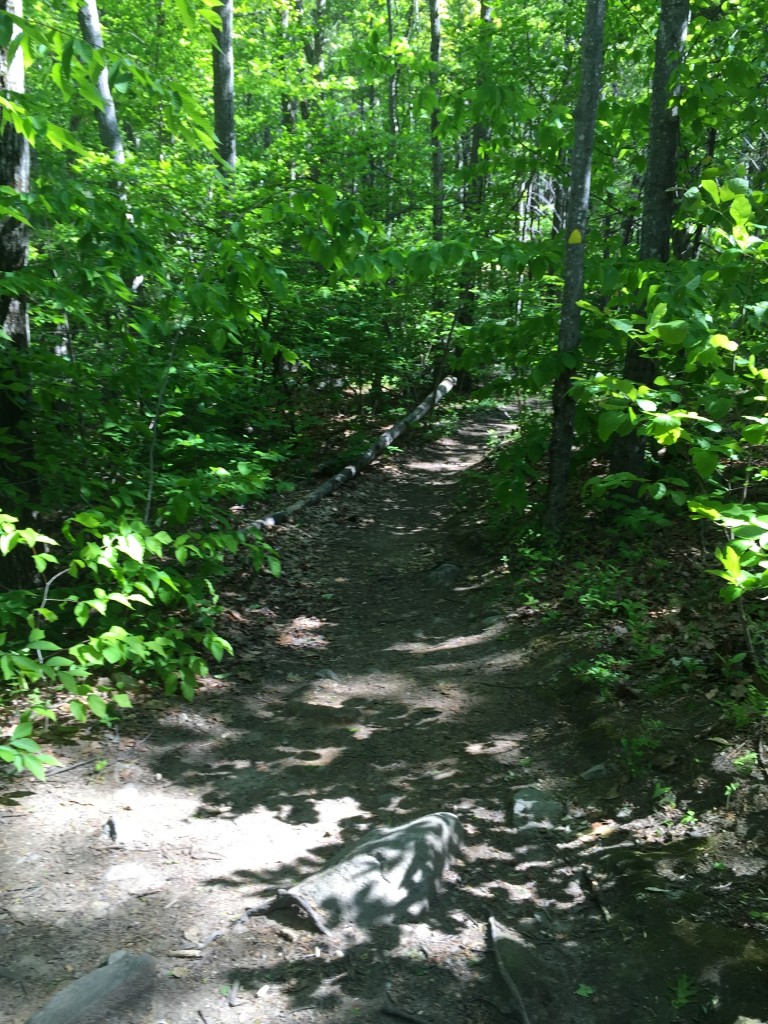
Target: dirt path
pixel 385 677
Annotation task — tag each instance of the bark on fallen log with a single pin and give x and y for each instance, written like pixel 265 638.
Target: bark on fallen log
pixel 390 875
pixel 353 469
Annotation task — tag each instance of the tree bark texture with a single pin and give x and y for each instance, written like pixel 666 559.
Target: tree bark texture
pixel 659 201
pixel 354 469
pixel 585 119
pixel 392 120
pixel 14 245
pixel 109 130
pixel 474 193
pixel 224 85
pixel 435 56
pixel 17 484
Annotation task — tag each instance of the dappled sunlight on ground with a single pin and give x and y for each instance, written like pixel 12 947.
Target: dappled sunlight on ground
pixel 377 691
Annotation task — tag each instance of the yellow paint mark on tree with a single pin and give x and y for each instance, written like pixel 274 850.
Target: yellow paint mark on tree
pixel 575 237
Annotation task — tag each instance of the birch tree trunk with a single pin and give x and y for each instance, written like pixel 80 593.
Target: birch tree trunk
pixel 435 56
pixel 585 119
pixel 392 120
pixel 224 85
pixel 17 483
pixel 109 130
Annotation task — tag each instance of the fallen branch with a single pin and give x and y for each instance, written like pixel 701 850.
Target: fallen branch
pixel 353 469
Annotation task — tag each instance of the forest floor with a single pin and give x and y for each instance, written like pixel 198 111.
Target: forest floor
pixel 388 674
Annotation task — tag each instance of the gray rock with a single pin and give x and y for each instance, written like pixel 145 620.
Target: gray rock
pixel 533 806
pixel 124 983
pixel 444 575
pixel 327 673
pixel 493 620
pixel 391 875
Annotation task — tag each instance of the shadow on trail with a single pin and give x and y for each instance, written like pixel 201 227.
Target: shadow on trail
pixel 458 714
pixel 417 702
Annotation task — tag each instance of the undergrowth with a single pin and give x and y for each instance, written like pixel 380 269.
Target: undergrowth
pixel 641 591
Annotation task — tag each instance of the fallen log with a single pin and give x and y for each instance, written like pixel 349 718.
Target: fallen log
pixel 390 875
pixel 354 468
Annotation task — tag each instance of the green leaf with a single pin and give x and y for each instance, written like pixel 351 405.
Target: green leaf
pixel 705 461
pixel 26 744
pixel 132 546
pixel 723 341
pixel 98 706
pixel 741 210
pixel 184 13
pixel 77 710
pixel 610 421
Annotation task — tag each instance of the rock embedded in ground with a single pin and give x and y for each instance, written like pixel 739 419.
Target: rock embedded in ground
pixel 535 807
pixel 390 875
pixel 104 995
pixel 445 575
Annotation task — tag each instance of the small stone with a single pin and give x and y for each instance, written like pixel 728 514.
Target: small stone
pixel 595 772
pixel 492 620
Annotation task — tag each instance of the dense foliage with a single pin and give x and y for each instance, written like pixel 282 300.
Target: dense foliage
pixel 396 207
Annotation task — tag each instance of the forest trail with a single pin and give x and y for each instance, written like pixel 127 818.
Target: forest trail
pixel 385 676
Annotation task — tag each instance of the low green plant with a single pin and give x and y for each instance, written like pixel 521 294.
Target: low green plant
pixel 682 991
pixel 664 795
pixel 24 753
pixel 730 789
pixel 746 763
pixel 635 749
pixel 595 588
pixel 605 672
pixel 119 601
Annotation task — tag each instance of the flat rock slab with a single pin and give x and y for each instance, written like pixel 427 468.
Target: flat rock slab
pixel 536 808
pixel 391 875
pixel 122 985
pixel 530 983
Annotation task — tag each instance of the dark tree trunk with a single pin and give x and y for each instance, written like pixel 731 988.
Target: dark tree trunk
pixel 224 85
pixel 659 201
pixel 585 120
